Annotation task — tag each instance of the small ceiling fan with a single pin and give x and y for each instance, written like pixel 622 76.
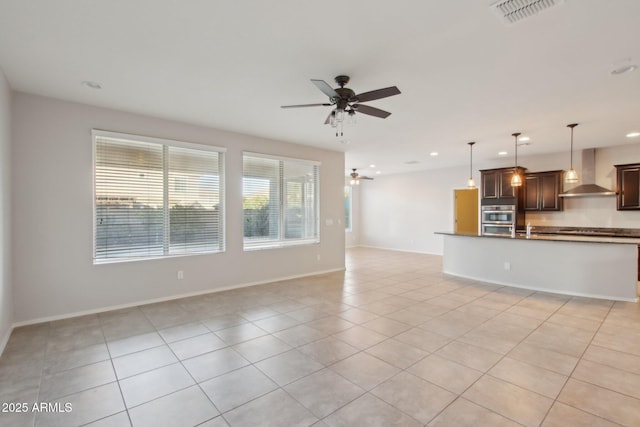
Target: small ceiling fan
pixel 347 103
pixel 356 177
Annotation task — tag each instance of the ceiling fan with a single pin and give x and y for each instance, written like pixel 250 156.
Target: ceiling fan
pixel 347 103
pixel 356 177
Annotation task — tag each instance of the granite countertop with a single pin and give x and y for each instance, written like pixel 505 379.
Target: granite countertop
pixel 588 231
pixel 627 239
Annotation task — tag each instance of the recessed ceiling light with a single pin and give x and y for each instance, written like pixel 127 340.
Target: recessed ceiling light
pixel 524 138
pixel 91 85
pixel 378 172
pixel 502 153
pixel 372 166
pixel 633 134
pixel 433 153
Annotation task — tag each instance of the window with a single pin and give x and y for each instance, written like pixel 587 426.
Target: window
pixel 280 201
pixel 156 198
pixel 348 194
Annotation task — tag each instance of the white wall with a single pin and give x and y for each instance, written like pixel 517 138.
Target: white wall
pixel 53 274
pixel 6 303
pixel 403 211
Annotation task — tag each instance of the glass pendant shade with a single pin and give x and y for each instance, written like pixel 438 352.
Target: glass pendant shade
pixel 471 184
pixel 516 179
pixel 571 176
pixel 351 118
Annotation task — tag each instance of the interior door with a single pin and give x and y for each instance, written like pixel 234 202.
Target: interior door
pixel 466 211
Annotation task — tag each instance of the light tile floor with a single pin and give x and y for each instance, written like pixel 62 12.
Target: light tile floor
pixel 391 341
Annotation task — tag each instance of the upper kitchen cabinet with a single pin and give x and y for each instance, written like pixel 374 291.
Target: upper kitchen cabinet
pixel 496 186
pixel 628 186
pixel 542 191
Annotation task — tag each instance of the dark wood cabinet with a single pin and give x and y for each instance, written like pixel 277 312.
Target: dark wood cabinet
pixel 489 184
pixel 542 191
pixel 628 186
pixel 496 184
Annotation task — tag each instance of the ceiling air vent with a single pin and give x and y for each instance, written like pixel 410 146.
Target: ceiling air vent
pixel 512 11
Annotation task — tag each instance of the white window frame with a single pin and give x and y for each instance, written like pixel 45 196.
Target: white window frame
pixel 95 133
pixel 281 241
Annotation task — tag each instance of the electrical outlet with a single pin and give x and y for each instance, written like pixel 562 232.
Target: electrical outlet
pixel 507 265
pixel 318 257
pixel 180 274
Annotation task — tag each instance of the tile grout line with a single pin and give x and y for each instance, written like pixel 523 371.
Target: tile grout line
pixel 460 395
pixel 570 376
pixel 115 374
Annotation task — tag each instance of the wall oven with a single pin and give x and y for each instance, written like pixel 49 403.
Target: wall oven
pixel 498 220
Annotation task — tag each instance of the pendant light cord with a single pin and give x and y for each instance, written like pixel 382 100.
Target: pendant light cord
pixel 471 159
pixel 572 125
pixel 515 169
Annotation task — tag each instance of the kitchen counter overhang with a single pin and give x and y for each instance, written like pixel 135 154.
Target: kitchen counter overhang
pixel 590 266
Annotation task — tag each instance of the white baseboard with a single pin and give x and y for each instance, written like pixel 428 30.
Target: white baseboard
pixel 163 299
pixel 536 289
pixel 384 248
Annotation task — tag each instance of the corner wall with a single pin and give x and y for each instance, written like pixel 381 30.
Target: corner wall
pixel 53 273
pixel 6 301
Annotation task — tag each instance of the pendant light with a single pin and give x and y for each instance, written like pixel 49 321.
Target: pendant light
pixel 516 179
pixel 571 176
pixel 470 183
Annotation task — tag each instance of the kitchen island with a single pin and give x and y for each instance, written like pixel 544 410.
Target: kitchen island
pixel 597 267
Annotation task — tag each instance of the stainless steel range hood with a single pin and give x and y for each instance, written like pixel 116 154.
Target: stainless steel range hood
pixel 589 188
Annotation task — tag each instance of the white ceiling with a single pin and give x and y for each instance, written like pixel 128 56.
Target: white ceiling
pixel 229 64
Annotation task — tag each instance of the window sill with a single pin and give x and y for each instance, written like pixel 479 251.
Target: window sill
pixel 106 261
pixel 278 245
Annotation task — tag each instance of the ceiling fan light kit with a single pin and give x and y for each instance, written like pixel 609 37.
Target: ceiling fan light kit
pixel 346 102
pixel 356 177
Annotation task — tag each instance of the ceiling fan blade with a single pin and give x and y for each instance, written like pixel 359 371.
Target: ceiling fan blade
pixel 326 122
pixel 366 177
pixel 376 94
pixel 372 111
pixel 306 105
pixel 325 88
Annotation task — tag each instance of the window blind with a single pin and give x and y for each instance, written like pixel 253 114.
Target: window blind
pixel 155 198
pixel 280 201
